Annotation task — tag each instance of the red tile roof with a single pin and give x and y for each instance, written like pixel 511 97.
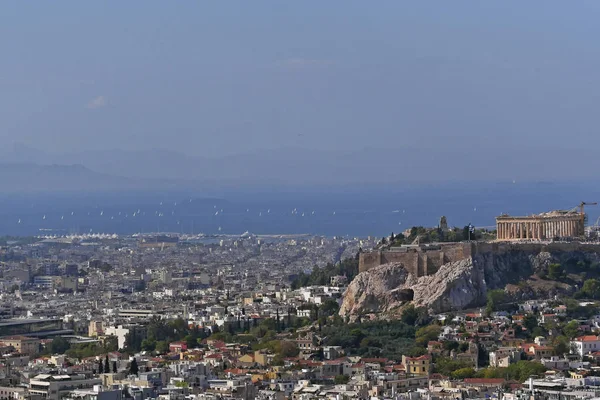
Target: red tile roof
pixel 587 338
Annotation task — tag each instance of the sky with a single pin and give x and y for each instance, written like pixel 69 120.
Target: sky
pixel 220 78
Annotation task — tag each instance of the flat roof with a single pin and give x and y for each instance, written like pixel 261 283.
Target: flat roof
pixel 13 322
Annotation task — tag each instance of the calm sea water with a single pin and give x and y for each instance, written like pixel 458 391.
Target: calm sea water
pixel 356 211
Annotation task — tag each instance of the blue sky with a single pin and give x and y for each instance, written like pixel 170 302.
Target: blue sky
pixel 217 78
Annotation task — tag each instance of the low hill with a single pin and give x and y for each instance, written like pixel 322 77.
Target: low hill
pixel 522 271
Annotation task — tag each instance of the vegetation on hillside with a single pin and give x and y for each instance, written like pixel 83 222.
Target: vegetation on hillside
pixel 436 235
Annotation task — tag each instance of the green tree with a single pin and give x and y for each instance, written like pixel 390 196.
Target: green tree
pixel 59 345
pixel 426 334
pixel 571 329
pixel 341 379
pixel 463 373
pixel 106 365
pixel 591 288
pixel 450 345
pixel 329 308
pixel 409 315
pixel 162 347
pixel 494 299
pixel 114 368
pixel 288 349
pixel 555 272
pixel 561 345
pixel 133 367
pixel 148 345
pixel 530 322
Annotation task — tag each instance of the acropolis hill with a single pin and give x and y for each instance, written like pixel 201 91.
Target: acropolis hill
pixel 447 276
pixel 426 260
pixel 551 231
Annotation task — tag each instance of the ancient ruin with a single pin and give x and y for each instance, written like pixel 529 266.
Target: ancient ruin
pixel 545 226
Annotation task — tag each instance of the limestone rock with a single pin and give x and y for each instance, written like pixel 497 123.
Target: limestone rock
pixel 461 284
pixel 378 289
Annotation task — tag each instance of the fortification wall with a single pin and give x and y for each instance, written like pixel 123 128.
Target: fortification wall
pixel 423 261
pixel 419 261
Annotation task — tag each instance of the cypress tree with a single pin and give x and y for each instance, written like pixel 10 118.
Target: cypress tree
pixel 133 367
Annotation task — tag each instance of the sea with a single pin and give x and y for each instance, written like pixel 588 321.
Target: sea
pixel 351 211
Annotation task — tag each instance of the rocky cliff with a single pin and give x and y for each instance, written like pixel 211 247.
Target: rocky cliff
pixel 463 284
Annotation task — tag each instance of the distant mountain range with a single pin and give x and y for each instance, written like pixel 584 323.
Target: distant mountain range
pixel 30 178
pixel 27 168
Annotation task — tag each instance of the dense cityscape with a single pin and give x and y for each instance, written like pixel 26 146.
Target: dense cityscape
pixel 299 200
pixel 223 317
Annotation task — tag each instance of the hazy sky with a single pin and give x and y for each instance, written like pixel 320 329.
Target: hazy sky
pixel 212 78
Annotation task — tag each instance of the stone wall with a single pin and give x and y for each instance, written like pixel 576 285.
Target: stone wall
pixel 427 259
pixel 420 261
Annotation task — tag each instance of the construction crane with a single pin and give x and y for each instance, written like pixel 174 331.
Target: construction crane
pixel 582 211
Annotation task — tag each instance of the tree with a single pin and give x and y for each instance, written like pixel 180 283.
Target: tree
pixel 494 299
pixel 329 308
pixel 591 288
pixel 148 345
pixel 450 345
pixel 409 315
pixel 106 365
pixel 571 330
pixel 341 379
pixel 463 373
pixel 530 322
pixel 59 345
pixel 555 272
pixel 100 367
pixel 561 345
pixel 426 334
pixel 133 367
pixel 288 349
pixel 162 347
pixel 114 367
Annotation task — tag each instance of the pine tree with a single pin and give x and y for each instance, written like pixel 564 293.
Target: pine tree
pixel 114 367
pixel 133 367
pixel 100 367
pixel 277 325
pixel 106 365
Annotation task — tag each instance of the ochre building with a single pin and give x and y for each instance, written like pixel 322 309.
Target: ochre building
pixel 546 226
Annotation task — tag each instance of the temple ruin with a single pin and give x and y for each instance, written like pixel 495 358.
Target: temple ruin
pixel 545 226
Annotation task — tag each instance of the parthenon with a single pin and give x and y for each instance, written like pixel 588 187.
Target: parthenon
pixel 545 226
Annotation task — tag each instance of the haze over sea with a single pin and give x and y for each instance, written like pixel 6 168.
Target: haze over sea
pixel 357 211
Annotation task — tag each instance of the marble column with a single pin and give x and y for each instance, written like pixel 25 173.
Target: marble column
pixel 570 229
pixel 521 230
